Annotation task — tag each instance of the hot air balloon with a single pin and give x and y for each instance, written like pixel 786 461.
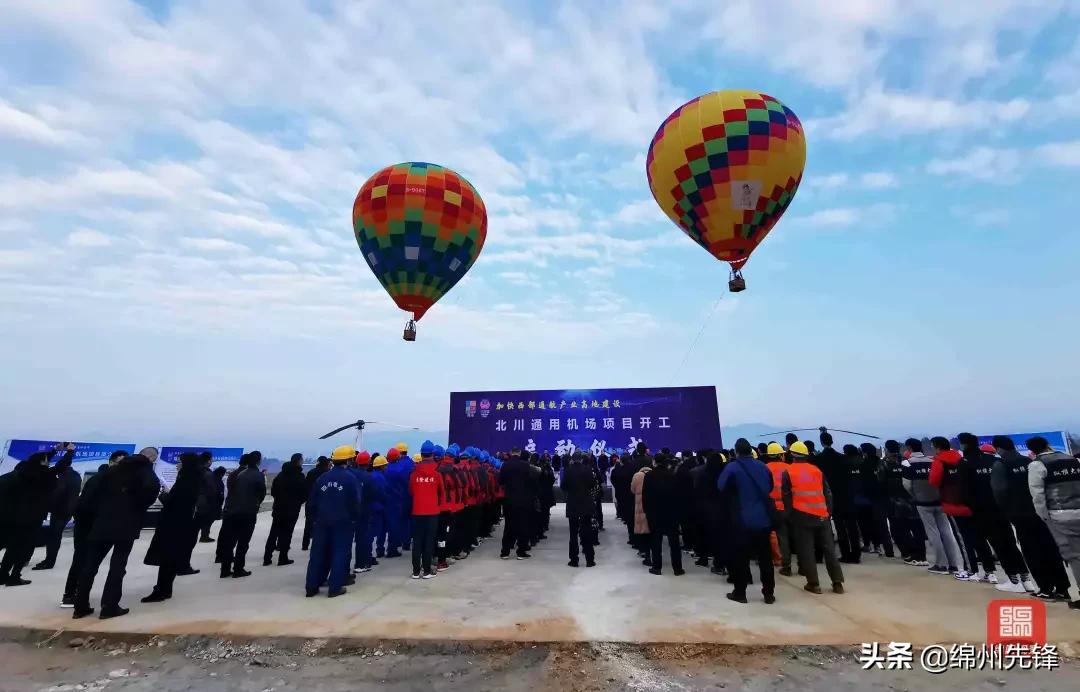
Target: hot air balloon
pixel 724 167
pixel 420 227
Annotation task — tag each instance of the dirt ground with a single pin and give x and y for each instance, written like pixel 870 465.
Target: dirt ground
pixel 67 663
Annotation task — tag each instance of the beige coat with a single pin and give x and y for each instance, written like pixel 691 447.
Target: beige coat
pixel 641 524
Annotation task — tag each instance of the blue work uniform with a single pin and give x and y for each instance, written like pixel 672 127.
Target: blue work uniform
pixel 389 542
pixel 375 493
pixel 335 509
pixel 360 529
pixel 407 465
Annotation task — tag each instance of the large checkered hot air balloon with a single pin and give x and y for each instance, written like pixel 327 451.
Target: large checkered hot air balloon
pixel 420 227
pixel 724 167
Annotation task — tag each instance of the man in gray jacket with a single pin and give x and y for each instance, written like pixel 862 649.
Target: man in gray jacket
pixel 1054 481
pixel 925 497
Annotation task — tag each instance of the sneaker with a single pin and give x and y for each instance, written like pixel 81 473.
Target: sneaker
pixel 921 563
pixel 415 575
pixel 964 575
pixel 909 561
pixel 362 570
pixel 769 599
pixel 428 575
pixel 990 579
pixel 442 566
pixel 838 587
pixel 505 557
pixel 1045 595
pixel 938 569
pixel 1074 605
pixel 1009 587
pixel 1029 586
pixel 523 556
pixel 67 602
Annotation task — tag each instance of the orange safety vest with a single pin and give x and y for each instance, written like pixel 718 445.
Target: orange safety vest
pixel 808 489
pixel 777 468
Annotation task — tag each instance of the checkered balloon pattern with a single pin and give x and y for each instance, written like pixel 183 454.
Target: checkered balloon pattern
pixel 420 227
pixel 724 167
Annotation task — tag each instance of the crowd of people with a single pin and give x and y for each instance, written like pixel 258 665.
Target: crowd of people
pixel 786 507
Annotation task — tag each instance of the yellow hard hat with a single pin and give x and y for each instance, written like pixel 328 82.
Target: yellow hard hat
pixel 799 448
pixel 723 457
pixel 344 452
pixel 417 458
pixel 774 449
pixel 402 447
pixel 379 462
pixel 754 452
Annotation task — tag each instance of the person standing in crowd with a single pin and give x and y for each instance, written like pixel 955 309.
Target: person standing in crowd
pixel 84 519
pixel 119 507
pixel 397 496
pixel 808 498
pixel 954 476
pixel 1054 480
pixel 990 520
pixel 621 475
pixel 927 500
pixel 170 548
pixel 427 495
pixel 25 494
pixel 838 475
pixel 600 468
pixel 580 489
pixel 445 533
pixel 211 499
pixel 642 540
pixel 546 495
pixel 289 491
pixel 860 501
pixel 684 485
pixel 747 483
pixel 904 523
pixel 776 461
pixel 1009 481
pixel 61 506
pixel 405 472
pixel 322 465
pixel 372 510
pixel 660 500
pixel 716 514
pixel 518 484
pixel 247 489
pixel 335 507
pixel 876 513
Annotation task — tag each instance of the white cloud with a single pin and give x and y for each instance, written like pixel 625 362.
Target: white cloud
pixel 18 124
pixel 1064 154
pixel 872 180
pixel 88 238
pixel 982 163
pixel 640 212
pixel 847 217
pixel 212 245
pixel 878 180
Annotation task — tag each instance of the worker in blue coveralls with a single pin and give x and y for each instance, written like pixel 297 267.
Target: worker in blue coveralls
pixel 377 522
pixel 397 492
pixel 405 472
pixel 335 504
pixel 359 469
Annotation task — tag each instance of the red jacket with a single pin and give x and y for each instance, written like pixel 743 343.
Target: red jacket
pixel 426 488
pixel 949 473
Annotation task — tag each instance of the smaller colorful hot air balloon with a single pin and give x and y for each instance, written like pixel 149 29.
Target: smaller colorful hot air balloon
pixel 420 228
pixel 724 167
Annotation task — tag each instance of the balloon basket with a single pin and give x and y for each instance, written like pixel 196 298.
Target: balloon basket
pixel 736 283
pixel 410 331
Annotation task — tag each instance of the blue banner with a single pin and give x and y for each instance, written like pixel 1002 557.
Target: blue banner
pixel 88 455
pixel 1058 440
pixel 169 457
pixel 562 421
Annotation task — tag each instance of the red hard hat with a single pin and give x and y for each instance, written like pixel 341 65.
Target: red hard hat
pixel 393 454
pixel 989 449
pixel 363 458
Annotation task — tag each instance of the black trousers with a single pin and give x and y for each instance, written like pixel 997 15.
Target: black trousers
pixel 976 548
pixel 907 532
pixel 281 533
pixel 18 545
pixel 166 575
pixel 424 530
pixel 754 545
pixel 53 535
pixel 114 582
pixel 847 537
pixel 206 522
pixel 879 525
pixel 599 511
pixel 516 530
pixel 657 552
pixel 233 540
pixel 999 533
pixel 582 528
pixel 78 557
pixel 442 537
pixel 309 524
pixel 1041 553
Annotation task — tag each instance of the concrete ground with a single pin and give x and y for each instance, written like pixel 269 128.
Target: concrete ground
pixel 539 600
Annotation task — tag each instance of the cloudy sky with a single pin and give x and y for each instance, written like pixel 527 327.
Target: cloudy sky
pixel 177 179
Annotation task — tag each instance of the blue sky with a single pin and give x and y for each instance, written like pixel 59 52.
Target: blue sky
pixel 177 180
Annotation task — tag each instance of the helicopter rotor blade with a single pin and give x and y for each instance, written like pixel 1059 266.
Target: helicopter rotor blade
pixel 784 432
pixel 392 425
pixel 852 432
pixel 354 424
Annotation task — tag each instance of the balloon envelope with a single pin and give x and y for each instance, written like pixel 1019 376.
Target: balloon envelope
pixel 724 167
pixel 420 227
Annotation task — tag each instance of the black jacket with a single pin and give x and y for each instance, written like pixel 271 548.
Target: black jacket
pixel 172 542
pixel 837 473
pixel 661 498
pixel 27 492
pixel 66 494
pixel 247 489
pixel 211 494
pixel 546 491
pixel 580 487
pixel 119 505
pixel 289 490
pixel 1009 480
pixel 621 476
pixel 518 482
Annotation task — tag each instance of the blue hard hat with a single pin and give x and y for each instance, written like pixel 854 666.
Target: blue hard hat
pixel 438 451
pixel 428 448
pixel 466 453
pixel 453 450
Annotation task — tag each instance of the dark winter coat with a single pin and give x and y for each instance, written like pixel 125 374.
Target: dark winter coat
pixel 176 526
pixel 66 493
pixel 27 492
pixel 211 494
pixel 580 487
pixel 837 473
pixel 621 476
pixel 518 482
pixel 289 490
pixel 546 491
pixel 1009 480
pixel 661 498
pixel 119 506
pixel 247 489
